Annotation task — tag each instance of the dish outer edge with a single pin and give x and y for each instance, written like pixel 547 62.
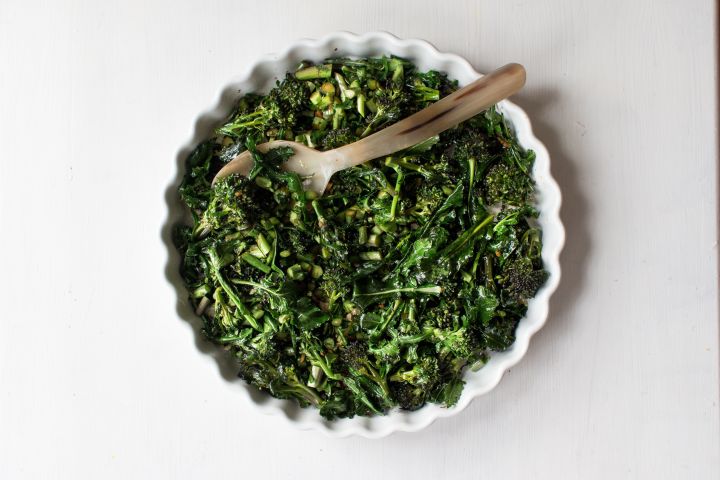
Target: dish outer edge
pixel 477 383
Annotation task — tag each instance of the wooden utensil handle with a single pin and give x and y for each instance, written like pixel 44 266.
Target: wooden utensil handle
pixel 438 117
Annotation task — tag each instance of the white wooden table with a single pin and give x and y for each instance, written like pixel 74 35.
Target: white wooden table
pixel 95 376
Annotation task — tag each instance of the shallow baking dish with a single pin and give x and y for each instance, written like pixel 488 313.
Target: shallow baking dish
pixel 260 77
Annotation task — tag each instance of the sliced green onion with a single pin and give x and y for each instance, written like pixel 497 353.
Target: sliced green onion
pixel 255 262
pixel 372 255
pixel 374 240
pixel 295 272
pixel 362 235
pixel 316 71
pixel 263 182
pixel 361 105
pixel 263 244
pixel 316 272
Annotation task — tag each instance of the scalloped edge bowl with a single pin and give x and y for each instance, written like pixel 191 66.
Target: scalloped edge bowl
pixel 260 77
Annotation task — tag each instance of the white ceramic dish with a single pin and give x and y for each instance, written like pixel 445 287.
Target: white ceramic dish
pixel 260 77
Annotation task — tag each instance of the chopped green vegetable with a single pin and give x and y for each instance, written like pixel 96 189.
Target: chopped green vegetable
pixel 380 293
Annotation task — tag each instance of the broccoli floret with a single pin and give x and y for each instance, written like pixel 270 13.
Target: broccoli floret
pixel 504 185
pixel 429 198
pixel 407 396
pixel 425 373
pixel 445 170
pixel 411 388
pixel 424 93
pixel 297 241
pixel 290 96
pixel 278 111
pixel 462 343
pixel 436 81
pixel 355 358
pixel 333 284
pixel 387 351
pixel 233 203
pixel 265 344
pixel 337 138
pixel 334 279
pixel 391 105
pixel 446 315
pixel 257 371
pixel 521 280
pixel 288 385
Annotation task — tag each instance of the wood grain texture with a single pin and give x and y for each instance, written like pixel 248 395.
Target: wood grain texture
pixel 95 380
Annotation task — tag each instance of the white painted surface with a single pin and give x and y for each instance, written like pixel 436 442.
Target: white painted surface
pixel 95 376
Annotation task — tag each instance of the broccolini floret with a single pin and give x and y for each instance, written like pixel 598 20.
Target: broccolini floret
pixel 521 280
pixel 505 185
pixel 276 114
